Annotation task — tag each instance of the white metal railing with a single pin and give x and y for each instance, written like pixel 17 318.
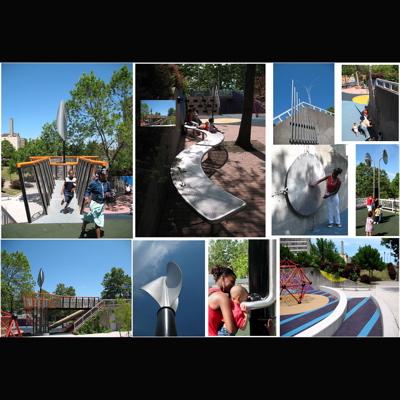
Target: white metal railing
pixel 292 110
pixel 387 204
pixel 391 86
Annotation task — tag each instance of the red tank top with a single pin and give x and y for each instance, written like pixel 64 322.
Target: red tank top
pixel 214 316
pixel 331 187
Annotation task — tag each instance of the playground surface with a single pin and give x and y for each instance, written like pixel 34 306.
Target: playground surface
pixel 388 227
pixel 317 303
pixel 57 224
pixel 238 171
pixel 353 103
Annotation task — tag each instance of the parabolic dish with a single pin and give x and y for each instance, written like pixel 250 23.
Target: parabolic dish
pixel 306 169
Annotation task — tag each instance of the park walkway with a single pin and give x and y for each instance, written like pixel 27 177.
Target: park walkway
pixel 236 170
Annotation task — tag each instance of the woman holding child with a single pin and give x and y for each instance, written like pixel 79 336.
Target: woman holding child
pixel 219 305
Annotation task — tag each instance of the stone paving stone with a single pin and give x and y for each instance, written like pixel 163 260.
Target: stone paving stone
pixel 237 171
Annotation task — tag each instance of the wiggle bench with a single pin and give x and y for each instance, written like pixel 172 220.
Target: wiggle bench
pixel 210 201
pixel 211 139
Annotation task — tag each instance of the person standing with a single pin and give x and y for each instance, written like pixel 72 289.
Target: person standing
pixel 68 189
pixel 333 184
pixel 99 189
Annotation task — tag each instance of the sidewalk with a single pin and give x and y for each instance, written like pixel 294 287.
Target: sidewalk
pixel 56 224
pixel 388 291
pixel 237 171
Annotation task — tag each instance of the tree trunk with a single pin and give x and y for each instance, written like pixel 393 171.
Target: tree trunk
pixel 243 139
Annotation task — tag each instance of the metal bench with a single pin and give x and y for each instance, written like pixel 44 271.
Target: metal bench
pixel 211 202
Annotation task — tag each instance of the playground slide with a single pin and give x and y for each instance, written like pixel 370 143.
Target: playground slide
pixel 74 315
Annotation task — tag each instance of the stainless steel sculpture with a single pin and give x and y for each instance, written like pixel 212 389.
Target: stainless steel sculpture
pixel 61 122
pixel 306 169
pixel 165 290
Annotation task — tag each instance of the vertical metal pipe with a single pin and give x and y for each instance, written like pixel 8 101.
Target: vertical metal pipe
pixel 21 179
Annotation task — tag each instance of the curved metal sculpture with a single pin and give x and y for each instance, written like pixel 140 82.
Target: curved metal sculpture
pixel 305 169
pixel 165 290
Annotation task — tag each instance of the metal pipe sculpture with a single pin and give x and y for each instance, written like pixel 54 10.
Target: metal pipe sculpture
pixel 165 290
pixel 62 119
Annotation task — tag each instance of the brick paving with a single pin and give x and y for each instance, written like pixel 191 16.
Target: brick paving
pixel 237 171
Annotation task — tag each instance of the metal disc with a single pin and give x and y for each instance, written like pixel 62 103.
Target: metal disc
pixel 305 170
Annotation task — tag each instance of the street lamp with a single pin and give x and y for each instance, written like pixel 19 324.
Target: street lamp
pixel 385 160
pixel 368 161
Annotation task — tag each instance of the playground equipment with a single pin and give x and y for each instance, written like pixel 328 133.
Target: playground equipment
pixel 293 281
pixel 37 179
pixel 305 169
pixel 165 290
pixel 39 304
pixel 9 325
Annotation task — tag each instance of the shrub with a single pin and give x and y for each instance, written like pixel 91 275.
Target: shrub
pixel 365 279
pixel 16 184
pixel 391 271
pixel 3 181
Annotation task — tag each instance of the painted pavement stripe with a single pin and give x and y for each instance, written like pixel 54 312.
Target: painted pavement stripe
pixel 368 327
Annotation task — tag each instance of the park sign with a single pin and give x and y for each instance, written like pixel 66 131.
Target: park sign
pixel 62 119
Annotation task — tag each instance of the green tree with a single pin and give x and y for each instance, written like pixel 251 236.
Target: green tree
pixel 7 149
pixel 244 136
pixel 116 284
pixel 326 251
pixel 229 252
pixel 16 280
pixel 369 259
pixel 285 253
pixel 103 112
pixel 62 290
pixel 123 315
pixel 393 245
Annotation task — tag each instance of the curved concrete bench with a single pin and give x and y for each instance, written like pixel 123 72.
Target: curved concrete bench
pixel 209 138
pixel 210 201
pixel 329 325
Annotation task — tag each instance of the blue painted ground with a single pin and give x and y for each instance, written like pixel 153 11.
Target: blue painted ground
pixel 323 229
pixel 352 112
pixel 362 318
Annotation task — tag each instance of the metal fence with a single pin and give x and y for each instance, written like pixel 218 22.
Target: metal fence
pixel 37 185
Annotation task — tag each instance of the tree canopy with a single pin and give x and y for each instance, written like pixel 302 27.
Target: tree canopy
pixel 116 284
pixel 16 280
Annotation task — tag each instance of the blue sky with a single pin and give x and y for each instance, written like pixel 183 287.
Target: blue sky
pixel 318 78
pixel 150 258
pixel 76 263
pixel 161 106
pixel 32 92
pixel 375 150
pixel 351 246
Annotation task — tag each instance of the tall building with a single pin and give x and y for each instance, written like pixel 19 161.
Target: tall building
pixel 296 244
pixel 13 137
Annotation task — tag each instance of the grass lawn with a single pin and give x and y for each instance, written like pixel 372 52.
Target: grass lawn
pixel 6 175
pixel 388 227
pixel 377 275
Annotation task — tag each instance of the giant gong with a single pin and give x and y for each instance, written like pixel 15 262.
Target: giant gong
pixel 306 169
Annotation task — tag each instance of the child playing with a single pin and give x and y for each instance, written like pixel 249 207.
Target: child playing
pixel 377 214
pixel 355 129
pixel 212 128
pixel 68 189
pixel 99 189
pixel 240 315
pixel 369 225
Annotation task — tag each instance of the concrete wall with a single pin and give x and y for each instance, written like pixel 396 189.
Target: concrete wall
pixel 324 127
pixel 284 219
pixel 384 110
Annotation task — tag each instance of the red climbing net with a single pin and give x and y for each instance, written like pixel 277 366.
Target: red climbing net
pixel 293 281
pixel 9 325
